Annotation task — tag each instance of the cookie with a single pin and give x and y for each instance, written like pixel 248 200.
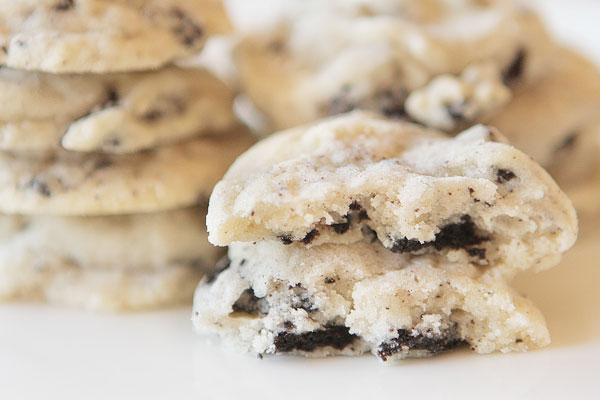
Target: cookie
pixel 113 113
pixel 68 183
pixel 449 102
pixel 105 263
pixel 64 36
pixel 542 117
pixel 337 299
pixel 576 167
pixel 310 62
pixel 469 198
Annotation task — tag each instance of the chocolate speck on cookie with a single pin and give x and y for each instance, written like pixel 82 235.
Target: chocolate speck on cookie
pixel 504 175
pixel 186 29
pixel 40 186
pixel 516 68
pixel 64 5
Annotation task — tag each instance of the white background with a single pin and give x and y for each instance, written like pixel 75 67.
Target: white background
pixel 53 353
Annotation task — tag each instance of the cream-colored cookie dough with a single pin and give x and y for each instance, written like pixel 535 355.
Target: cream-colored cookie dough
pixel 338 299
pixel 315 60
pixel 113 113
pixel 470 198
pixel 99 36
pixel 105 263
pixel 68 183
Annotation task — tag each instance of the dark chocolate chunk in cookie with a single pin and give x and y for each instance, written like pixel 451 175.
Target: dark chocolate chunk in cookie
pixel 64 5
pixel 250 304
pixel 221 266
pixel 516 68
pixel 504 175
pixel 166 106
pixel 40 186
pixel 310 236
pixel 341 227
pixel 186 29
pixel 405 245
pixel 459 235
pixel 102 163
pixel 568 142
pixel 456 111
pixel 390 102
pixel 335 336
pixel 285 239
pixel 477 252
pixel 405 341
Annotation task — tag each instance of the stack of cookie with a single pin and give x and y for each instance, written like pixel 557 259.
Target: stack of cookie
pixel 444 65
pixel 108 150
pixel 371 232
pixel 360 233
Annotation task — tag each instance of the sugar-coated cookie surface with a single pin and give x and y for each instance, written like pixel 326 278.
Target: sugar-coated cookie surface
pixel 61 36
pixel 105 263
pixel 112 113
pixel 350 299
pixel 308 62
pixel 469 198
pixel 68 183
pixel 543 116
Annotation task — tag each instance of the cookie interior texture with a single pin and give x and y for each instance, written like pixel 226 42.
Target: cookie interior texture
pixel 406 48
pixel 105 263
pixel 349 299
pixel 99 36
pixel 469 198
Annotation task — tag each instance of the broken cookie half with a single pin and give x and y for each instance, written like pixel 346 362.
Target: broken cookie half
pixel 359 234
pixel 350 299
pixel 470 198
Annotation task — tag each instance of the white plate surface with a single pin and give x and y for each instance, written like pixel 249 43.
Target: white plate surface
pixel 53 353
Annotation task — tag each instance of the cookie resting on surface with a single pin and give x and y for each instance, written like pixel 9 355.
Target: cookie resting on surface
pixel 99 36
pixel 294 76
pixel 350 299
pixel 110 113
pixel 105 263
pixel 70 183
pixel 470 198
